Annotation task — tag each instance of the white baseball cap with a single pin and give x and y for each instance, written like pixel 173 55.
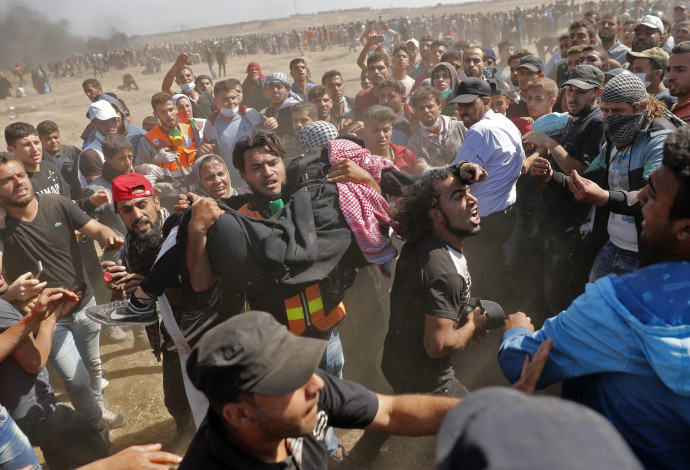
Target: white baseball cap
pixel 651 21
pixel 102 110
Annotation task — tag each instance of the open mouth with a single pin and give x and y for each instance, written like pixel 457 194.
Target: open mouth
pixel 474 217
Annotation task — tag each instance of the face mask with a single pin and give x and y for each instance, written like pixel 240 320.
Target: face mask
pixel 229 112
pixel 623 130
pixel 187 87
pixel 643 77
pixel 446 93
pixel 99 136
pixel 488 71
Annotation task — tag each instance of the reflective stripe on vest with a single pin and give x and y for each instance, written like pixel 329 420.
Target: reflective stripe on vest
pixel 306 308
pixel 186 153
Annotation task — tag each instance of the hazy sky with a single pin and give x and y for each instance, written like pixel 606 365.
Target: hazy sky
pixel 97 18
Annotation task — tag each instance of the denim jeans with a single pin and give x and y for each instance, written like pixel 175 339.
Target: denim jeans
pixel 332 362
pixel 15 448
pixel 76 357
pixel 68 440
pixel 613 260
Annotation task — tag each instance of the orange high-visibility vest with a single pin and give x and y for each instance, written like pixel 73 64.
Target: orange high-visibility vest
pixel 306 309
pixel 186 153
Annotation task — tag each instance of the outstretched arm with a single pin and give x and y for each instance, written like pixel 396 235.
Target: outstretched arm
pixel 422 415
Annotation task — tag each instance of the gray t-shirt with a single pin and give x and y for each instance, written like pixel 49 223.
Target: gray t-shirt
pixel 28 397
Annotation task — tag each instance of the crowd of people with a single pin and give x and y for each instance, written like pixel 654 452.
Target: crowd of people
pixel 469 182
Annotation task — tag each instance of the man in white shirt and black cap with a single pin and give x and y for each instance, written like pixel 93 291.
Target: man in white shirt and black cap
pixel 494 142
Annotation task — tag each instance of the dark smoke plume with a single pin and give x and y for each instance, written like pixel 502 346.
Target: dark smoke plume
pixel 28 37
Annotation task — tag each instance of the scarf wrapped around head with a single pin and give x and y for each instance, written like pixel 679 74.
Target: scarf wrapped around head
pixel 623 130
pixel 196 170
pixel 249 83
pixel 317 134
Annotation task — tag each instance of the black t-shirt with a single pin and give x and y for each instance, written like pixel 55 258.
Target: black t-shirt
pixel 584 138
pixel 50 239
pixel 28 397
pixel 517 110
pixel 426 283
pixel 48 180
pixel 342 404
pixel 204 106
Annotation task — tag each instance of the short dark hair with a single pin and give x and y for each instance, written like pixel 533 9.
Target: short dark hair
pixel 305 106
pixel 317 92
pixel 18 130
pixel 437 43
pixel 380 113
pixel 397 85
pixel 592 13
pixel 379 57
pixel 504 43
pixel 681 48
pixel 426 39
pixel 330 74
pixel 401 47
pixel 480 49
pixel 676 157
pixel 46 127
pixel 410 214
pixel 223 86
pixel 113 143
pixel 233 83
pixel 257 139
pixel 91 82
pixel 519 54
pixel 297 60
pixel 425 92
pixel 201 77
pixel 184 67
pixel 6 157
pixel 591 32
pixel 160 98
pixel 450 55
pixel 149 122
pixel 601 52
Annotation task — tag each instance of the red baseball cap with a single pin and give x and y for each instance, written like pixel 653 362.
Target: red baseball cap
pixel 131 186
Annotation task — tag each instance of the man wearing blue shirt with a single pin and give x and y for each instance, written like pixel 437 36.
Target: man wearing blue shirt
pixel 631 334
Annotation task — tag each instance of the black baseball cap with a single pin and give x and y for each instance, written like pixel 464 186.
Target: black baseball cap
pixel 586 77
pixel 532 63
pixel 470 89
pixel 252 352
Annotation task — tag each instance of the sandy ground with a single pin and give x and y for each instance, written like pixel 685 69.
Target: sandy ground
pixel 135 377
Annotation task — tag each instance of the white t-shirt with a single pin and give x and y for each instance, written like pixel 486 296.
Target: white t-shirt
pixel 621 228
pixel 460 263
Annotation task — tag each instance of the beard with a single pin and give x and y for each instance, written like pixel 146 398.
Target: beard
pixel 460 232
pixel 149 240
pixel 586 109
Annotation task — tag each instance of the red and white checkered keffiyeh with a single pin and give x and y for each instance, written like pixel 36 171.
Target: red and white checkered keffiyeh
pixel 362 206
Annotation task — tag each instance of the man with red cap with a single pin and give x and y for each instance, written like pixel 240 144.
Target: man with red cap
pixel 135 200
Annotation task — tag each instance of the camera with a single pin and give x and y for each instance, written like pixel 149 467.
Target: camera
pixel 492 310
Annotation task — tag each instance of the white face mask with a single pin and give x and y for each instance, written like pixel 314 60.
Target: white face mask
pixel 643 77
pixel 187 87
pixel 229 112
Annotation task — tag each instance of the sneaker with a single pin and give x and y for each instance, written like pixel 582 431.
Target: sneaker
pixel 124 313
pixel 104 383
pixel 114 334
pixel 113 420
pixel 194 323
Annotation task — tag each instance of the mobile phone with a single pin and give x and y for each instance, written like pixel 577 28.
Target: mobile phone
pixel 378 39
pixel 195 59
pixel 38 270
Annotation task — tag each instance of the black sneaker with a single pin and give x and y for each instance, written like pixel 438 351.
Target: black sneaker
pixel 123 313
pixel 194 323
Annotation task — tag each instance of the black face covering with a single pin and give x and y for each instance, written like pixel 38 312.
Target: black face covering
pixel 622 130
